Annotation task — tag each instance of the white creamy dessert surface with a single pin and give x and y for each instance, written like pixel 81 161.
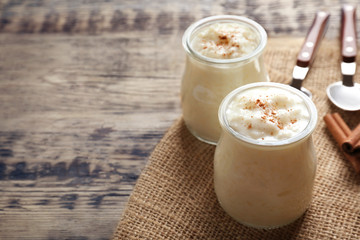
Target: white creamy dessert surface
pixel 267 114
pixel 225 41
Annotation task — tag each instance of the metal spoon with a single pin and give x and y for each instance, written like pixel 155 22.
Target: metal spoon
pixel 308 50
pixel 346 94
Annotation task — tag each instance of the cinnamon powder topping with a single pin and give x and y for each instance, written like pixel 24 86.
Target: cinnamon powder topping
pixel 225 41
pixel 267 113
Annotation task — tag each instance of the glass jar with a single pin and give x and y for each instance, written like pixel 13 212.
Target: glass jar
pixel 206 81
pixel 265 184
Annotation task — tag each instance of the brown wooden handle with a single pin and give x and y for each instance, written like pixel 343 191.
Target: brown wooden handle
pixel 348 33
pixel 313 39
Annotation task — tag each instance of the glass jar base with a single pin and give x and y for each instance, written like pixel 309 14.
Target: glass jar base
pixel 264 227
pixel 269 227
pixel 208 141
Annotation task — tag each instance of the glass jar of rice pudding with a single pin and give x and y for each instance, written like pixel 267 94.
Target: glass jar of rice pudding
pixel 223 53
pixel 265 162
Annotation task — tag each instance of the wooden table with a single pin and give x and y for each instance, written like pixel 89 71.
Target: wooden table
pixel 87 89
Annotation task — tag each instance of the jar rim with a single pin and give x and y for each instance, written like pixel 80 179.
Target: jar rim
pixel 310 127
pixel 224 18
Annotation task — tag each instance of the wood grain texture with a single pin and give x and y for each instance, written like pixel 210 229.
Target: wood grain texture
pixel 282 17
pixel 87 89
pixel 79 117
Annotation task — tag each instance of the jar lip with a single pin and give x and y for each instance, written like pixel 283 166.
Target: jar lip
pixel 225 18
pixel 310 127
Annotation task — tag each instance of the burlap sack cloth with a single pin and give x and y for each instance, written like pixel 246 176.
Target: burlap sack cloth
pixel 174 196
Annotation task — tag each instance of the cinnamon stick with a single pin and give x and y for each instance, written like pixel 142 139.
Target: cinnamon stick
pixel 340 131
pixel 352 143
pixel 337 127
pixel 342 124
